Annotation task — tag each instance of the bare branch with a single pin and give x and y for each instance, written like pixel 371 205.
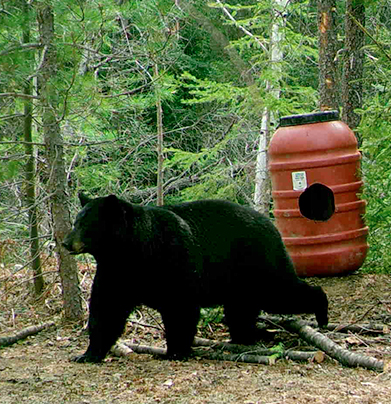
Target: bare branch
pixel 4 117
pixel 24 46
pixel 22 142
pixel 18 95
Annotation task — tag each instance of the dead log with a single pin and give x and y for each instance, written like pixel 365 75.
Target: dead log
pixel 24 333
pixel 345 357
pixel 374 329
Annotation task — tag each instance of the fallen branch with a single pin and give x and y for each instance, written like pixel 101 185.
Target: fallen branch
pixel 26 332
pixel 355 328
pixel 145 349
pixel 255 354
pixel 243 357
pixel 345 357
pixel 120 349
pixel 256 350
pixel 239 353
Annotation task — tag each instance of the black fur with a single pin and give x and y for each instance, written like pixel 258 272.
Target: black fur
pixel 180 258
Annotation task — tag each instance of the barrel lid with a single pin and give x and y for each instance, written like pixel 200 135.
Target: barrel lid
pixel 323 116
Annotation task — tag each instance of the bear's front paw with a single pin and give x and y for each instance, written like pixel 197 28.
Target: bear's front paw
pixel 87 358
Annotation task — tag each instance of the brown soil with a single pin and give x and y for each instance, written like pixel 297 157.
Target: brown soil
pixel 38 369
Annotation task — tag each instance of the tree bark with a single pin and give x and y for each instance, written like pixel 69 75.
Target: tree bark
pixel 30 168
pixel 352 89
pixel 328 89
pixel 55 161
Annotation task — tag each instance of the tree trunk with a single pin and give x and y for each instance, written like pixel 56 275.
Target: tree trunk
pixel 159 120
pixel 353 71
pixel 55 161
pixel 262 192
pixel 30 168
pixel 328 89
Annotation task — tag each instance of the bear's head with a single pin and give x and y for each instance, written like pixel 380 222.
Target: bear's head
pixel 95 226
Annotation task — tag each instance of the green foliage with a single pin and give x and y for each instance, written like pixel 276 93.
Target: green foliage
pixel 212 82
pixel 99 176
pixel 211 315
pixel 11 166
pixel 376 129
pixel 279 351
pixel 207 91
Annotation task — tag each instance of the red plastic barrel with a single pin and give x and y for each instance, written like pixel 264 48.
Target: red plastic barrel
pixel 314 167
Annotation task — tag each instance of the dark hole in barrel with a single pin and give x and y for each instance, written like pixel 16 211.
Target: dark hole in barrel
pixel 317 203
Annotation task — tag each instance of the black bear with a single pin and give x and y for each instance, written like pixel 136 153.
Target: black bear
pixel 179 258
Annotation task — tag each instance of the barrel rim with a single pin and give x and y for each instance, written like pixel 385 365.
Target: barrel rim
pixel 303 119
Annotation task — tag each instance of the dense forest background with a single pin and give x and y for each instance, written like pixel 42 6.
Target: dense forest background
pixel 156 99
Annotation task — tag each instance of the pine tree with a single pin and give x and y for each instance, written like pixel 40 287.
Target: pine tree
pixel 47 74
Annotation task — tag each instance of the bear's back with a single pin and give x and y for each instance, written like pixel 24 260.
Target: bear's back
pixel 227 231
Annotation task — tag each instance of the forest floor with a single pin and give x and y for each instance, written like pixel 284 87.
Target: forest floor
pixel 38 369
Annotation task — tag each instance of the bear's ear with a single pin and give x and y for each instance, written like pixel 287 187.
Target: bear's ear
pixel 112 200
pixel 84 199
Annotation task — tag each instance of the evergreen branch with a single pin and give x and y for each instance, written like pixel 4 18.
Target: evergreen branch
pixel 24 46
pixel 247 32
pixel 19 95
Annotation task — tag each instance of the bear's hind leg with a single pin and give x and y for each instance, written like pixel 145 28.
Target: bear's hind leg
pixel 242 323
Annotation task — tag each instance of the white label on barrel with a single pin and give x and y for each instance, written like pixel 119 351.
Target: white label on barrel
pixel 299 180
